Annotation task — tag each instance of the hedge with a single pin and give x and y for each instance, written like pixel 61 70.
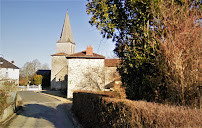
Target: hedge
pixel 99 110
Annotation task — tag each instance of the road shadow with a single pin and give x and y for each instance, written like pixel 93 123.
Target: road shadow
pixel 55 93
pixel 59 116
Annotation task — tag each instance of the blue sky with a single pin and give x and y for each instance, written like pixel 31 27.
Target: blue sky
pixel 31 28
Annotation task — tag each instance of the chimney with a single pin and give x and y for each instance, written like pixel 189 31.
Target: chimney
pixel 12 61
pixel 89 50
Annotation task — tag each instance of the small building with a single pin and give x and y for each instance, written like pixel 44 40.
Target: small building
pixel 43 72
pixel 84 70
pixel 8 71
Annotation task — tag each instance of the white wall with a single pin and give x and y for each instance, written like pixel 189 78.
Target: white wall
pixel 85 74
pixel 10 73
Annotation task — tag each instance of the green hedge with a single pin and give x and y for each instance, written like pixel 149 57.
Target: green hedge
pixel 97 110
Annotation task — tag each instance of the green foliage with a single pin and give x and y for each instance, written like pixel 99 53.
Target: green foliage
pixel 37 79
pixel 44 80
pixel 127 23
pixel 137 28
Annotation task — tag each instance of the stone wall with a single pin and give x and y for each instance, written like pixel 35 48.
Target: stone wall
pixel 111 74
pixel 85 74
pixel 66 47
pixel 14 101
pixel 59 72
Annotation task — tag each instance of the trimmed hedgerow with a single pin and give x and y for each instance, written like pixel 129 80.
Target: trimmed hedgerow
pixel 102 110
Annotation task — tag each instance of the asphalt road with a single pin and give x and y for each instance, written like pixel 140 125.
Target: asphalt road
pixel 40 111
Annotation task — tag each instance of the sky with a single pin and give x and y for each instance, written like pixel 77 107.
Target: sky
pixel 31 28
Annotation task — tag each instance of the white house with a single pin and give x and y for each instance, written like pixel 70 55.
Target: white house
pixel 85 71
pixel 8 71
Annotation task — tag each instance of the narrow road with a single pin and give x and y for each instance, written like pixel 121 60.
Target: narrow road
pixel 40 111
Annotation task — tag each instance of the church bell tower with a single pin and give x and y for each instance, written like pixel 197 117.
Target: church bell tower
pixel 64 46
pixel 66 43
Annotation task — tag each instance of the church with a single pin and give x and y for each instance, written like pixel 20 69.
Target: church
pixel 84 70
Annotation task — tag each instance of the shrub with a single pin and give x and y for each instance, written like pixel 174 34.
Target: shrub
pixel 180 44
pixel 36 79
pixel 23 81
pixel 3 102
pixel 5 88
pixel 101 110
pixel 158 43
pixel 111 94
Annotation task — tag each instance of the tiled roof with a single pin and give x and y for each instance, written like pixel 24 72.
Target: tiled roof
pixel 6 64
pixel 112 62
pixel 59 54
pixel 83 55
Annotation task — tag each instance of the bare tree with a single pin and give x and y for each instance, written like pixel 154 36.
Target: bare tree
pixel 180 43
pixel 93 79
pixel 30 68
pixel 45 67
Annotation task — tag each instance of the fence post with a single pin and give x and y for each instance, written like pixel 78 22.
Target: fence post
pixel 40 87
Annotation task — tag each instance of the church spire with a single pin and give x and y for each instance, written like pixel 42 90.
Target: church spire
pixel 66 35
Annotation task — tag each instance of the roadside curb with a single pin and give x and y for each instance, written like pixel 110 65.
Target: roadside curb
pixel 68 107
pixel 7 120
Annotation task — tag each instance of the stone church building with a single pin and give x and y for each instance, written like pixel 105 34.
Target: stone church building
pixel 84 70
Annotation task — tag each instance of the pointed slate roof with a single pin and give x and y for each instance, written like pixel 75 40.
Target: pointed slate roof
pixel 66 35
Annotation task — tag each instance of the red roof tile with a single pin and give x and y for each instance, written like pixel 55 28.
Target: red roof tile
pixel 59 54
pixel 83 55
pixel 112 62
